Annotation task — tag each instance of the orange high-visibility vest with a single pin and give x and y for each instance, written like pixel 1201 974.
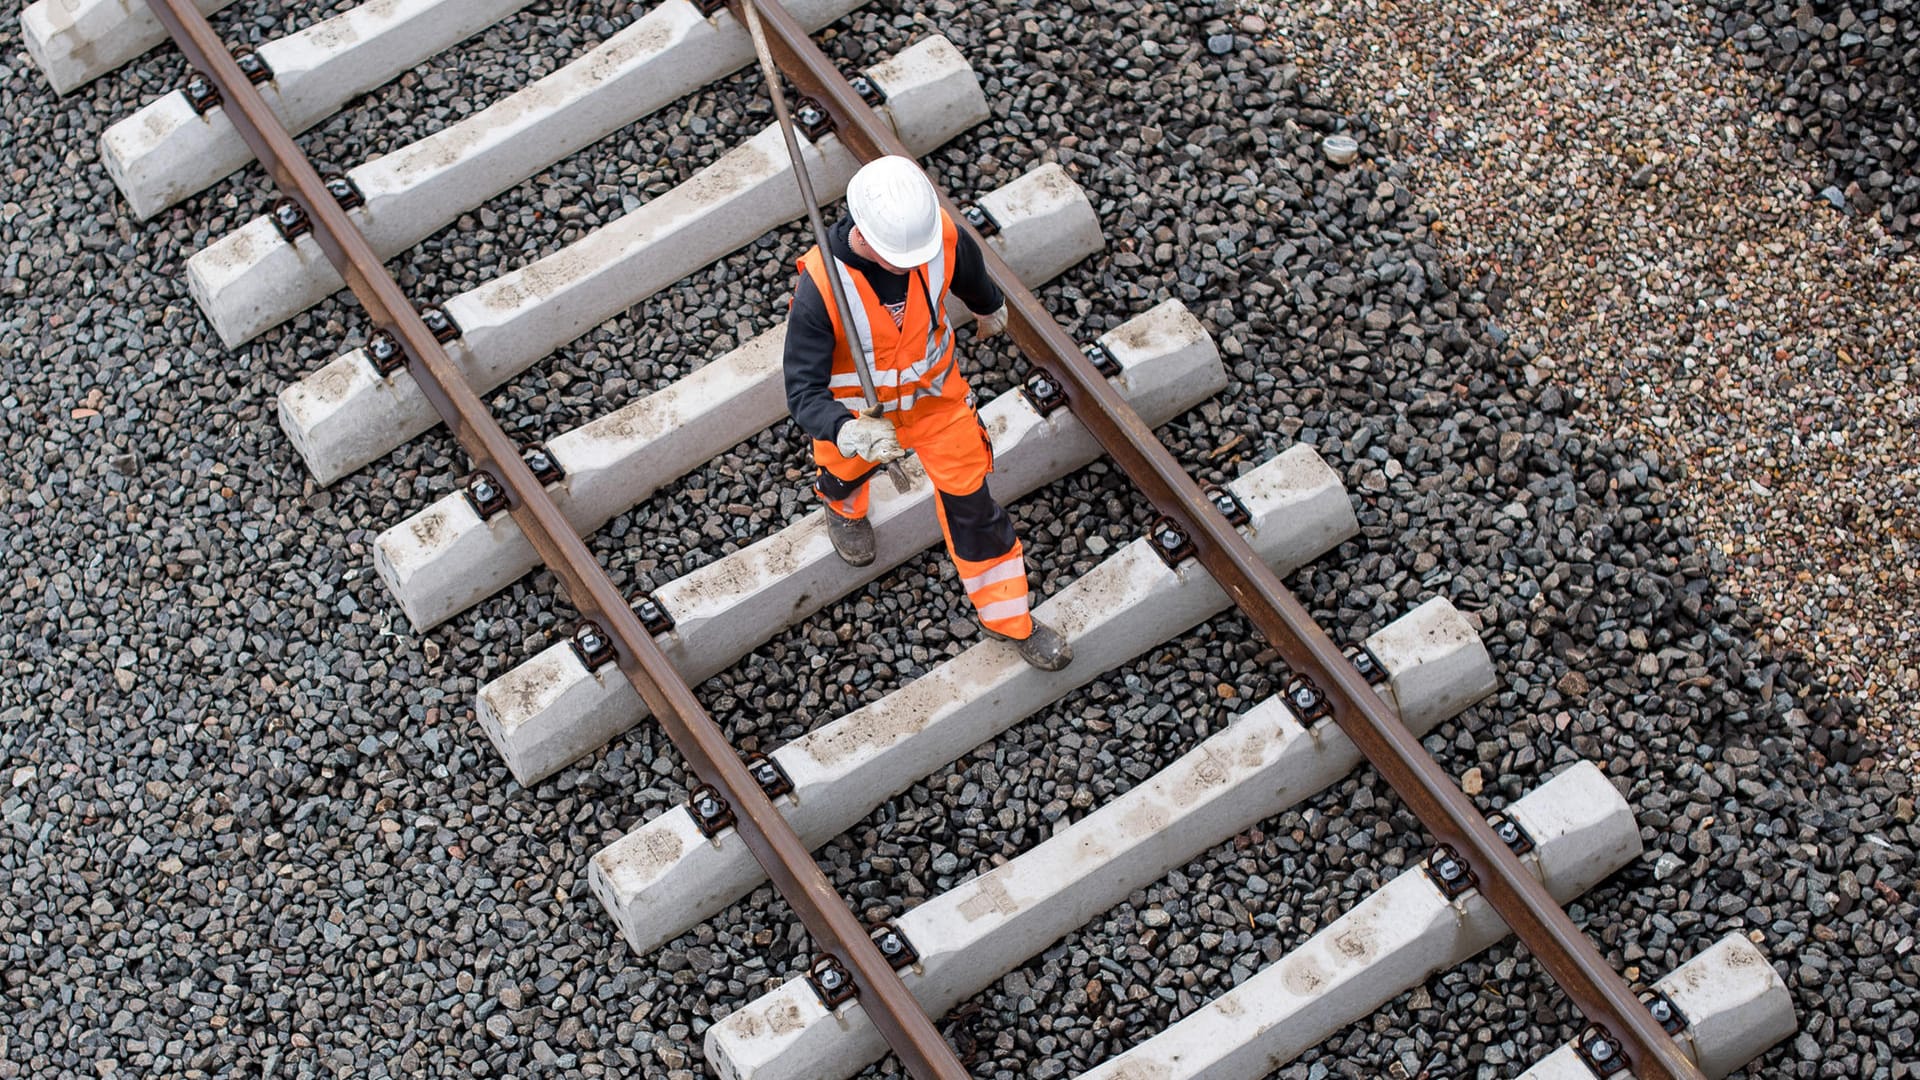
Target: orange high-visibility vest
pixel 911 361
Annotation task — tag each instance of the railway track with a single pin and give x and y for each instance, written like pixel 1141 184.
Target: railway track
pixel 634 660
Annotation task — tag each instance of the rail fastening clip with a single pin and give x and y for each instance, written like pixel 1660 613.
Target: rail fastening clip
pixel 769 775
pixel 385 354
pixel 830 981
pixel 1101 359
pixel 344 191
pixel 1170 541
pixel 592 645
pixel 201 93
pixel 1449 872
pixel 651 613
pixel 894 946
pixel 252 65
pixel 441 324
pixel 1599 1052
pixel 1228 504
pixel 1510 833
pixel 290 218
pixel 1664 1011
pixel 978 217
pixel 1367 664
pixel 1043 393
pixel 868 90
pixel 545 467
pixel 710 810
pixel 812 120
pixel 487 495
pixel 1307 701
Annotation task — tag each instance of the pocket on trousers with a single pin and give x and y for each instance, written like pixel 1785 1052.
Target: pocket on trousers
pixel 986 441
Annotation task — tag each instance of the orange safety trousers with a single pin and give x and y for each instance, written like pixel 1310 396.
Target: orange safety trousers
pixel 953 447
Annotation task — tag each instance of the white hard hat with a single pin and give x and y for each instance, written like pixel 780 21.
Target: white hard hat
pixel 894 205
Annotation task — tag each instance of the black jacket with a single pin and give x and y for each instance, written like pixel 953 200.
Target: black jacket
pixel 809 354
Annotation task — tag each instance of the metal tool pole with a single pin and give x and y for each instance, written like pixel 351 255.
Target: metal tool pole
pixel 901 481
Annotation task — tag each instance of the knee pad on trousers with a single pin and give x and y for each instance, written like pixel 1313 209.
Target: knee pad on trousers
pixel 832 487
pixel 978 527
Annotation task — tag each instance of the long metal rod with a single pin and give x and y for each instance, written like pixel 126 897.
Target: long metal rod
pixel 895 472
pixel 771 75
pixel 1596 989
pixel 786 859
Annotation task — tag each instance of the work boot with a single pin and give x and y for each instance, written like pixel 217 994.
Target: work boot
pixel 852 538
pixel 1044 648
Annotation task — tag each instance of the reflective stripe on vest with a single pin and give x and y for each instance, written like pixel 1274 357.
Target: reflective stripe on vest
pixel 903 371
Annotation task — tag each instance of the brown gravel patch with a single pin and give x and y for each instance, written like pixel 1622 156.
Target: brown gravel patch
pixel 1665 258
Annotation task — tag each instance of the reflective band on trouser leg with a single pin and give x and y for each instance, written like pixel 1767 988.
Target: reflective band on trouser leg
pixel 996 583
pixel 999 592
pixel 854 506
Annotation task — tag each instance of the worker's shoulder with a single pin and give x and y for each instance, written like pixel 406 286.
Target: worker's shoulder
pixel 806 284
pixel 808 306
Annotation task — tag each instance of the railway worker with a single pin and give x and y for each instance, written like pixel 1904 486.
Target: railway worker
pixel 899 255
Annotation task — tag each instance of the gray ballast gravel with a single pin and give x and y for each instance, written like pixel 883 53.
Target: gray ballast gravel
pixel 248 824
pixel 1660 256
pixel 1846 82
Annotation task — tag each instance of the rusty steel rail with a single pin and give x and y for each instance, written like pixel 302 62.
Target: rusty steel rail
pixel 788 862
pixel 1599 991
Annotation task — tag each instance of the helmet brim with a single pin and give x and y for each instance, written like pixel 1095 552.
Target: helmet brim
pixel 919 255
